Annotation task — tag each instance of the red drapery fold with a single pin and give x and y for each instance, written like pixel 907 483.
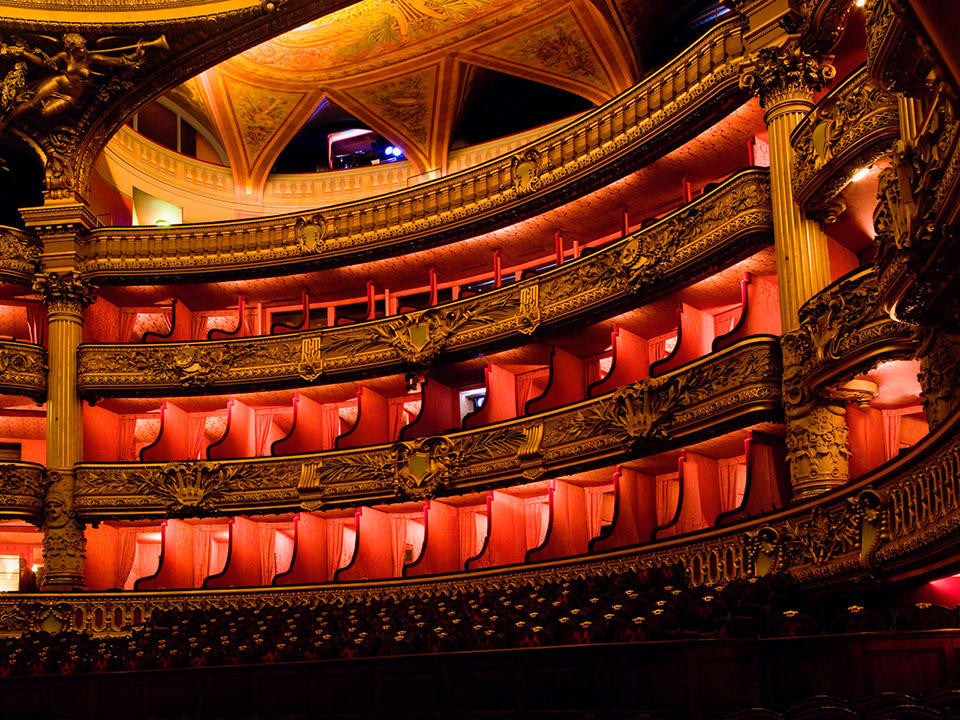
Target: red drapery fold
pixel 668 492
pixel 128 319
pixel 36 322
pixel 732 473
pixel 891 433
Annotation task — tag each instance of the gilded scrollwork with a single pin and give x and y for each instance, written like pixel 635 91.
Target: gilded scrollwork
pixel 23 369
pixel 22 489
pixel 68 290
pixel 776 73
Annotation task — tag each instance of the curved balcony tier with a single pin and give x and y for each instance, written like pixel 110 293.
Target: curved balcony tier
pixel 735 387
pixel 23 369
pixel 676 102
pixel 22 489
pixel 844 331
pixel 721 227
pixel 849 129
pixel 887 520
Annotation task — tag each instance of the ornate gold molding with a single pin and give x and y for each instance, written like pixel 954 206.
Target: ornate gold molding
pixel 692 90
pixel 918 230
pixel 64 290
pixel 19 256
pixel 737 386
pixel 843 332
pixel 851 128
pixel 716 229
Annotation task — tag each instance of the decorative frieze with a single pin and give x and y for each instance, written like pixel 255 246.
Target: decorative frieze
pixel 22 489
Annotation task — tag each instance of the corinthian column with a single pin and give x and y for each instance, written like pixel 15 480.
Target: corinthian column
pixel 785 79
pixel 65 294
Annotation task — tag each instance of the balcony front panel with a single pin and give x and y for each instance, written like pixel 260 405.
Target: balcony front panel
pixel 849 129
pixel 733 388
pixel 721 227
pixel 843 332
pixel 881 520
pixel 22 488
pixel 19 256
pixel 676 102
pixel 23 369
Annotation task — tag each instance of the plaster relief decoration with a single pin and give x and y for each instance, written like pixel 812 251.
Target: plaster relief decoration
pixel 186 488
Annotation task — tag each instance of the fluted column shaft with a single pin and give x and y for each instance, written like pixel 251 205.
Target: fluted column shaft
pixel 802 252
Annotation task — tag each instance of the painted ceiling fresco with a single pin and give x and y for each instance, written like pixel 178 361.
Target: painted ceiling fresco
pixel 400 67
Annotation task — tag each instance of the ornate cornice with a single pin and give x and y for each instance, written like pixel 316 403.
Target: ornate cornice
pixel 22 490
pixel 849 129
pixel 67 290
pixel 690 92
pixel 775 74
pixel 716 229
pixel 732 388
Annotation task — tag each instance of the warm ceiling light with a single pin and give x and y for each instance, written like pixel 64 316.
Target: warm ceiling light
pixel 860 3
pixel 860 174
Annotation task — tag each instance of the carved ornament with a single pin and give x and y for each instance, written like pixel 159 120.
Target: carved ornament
pixel 850 129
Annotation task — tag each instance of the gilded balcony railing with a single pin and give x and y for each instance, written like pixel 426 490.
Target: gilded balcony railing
pixel 844 331
pixel 693 89
pixel 849 129
pixel 720 227
pixel 731 388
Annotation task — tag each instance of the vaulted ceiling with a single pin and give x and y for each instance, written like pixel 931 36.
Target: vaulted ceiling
pixel 401 67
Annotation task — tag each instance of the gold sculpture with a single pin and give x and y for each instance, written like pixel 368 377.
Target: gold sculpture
pixel 72 71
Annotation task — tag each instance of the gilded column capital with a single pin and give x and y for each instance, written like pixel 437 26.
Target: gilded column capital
pixel 65 291
pixel 783 73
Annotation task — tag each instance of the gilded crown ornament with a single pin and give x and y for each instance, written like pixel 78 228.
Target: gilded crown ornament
pixel 775 73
